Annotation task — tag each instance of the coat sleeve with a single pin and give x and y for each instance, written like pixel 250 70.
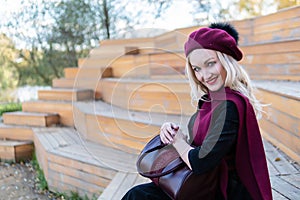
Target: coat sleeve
pixel 220 139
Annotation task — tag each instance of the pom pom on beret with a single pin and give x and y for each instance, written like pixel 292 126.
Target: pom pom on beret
pixel 220 37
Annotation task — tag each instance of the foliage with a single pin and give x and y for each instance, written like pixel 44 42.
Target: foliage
pixel 55 34
pixel 10 107
pixel 284 3
pixel 41 180
pixel 8 55
pixel 72 196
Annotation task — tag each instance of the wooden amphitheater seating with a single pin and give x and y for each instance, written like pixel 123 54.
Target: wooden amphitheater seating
pixel 115 101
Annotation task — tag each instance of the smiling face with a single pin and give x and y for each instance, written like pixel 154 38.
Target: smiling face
pixel 207 68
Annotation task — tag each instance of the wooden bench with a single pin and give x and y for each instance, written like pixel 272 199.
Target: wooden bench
pixel 15 150
pixel 140 65
pixel 63 108
pixel 73 164
pixel 149 95
pixel 120 184
pixel 281 124
pixel 284 176
pixel 119 128
pixel 273 61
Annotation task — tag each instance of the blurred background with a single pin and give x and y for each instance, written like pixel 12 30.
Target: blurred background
pixel 39 38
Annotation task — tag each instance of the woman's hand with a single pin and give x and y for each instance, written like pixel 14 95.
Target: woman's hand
pixel 167 132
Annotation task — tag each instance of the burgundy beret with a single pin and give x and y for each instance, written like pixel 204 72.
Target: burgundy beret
pixel 214 39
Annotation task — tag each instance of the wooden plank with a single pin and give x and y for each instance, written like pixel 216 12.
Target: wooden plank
pixel 126 184
pixel 278 25
pixel 94 62
pixel 16 132
pixel 63 108
pixel 278 160
pixel 289 140
pixel 104 158
pixel 30 118
pixel 173 97
pixel 75 182
pixel 7 153
pixel 81 175
pixel 280 103
pixel 24 152
pixel 140 42
pixel 286 89
pixel 293 179
pixel 272 47
pixel 276 77
pixel 94 73
pixel 70 72
pixel 283 120
pixel 277 16
pixel 279 35
pixel 15 151
pixel 273 70
pixel 276 58
pixel 65 94
pixel 113 186
pixel 284 188
pixel 277 142
pixel 63 83
pixel 81 164
pixel 276 195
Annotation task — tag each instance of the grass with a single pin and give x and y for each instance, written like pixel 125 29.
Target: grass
pixel 41 181
pixel 43 185
pixel 10 107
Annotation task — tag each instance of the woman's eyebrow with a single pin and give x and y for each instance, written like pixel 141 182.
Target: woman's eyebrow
pixel 208 60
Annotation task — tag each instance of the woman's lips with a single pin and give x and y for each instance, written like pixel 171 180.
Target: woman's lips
pixel 211 81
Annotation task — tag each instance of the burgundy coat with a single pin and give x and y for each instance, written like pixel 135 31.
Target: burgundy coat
pixel 251 165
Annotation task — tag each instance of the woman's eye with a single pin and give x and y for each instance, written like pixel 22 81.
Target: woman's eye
pixel 211 63
pixel 196 69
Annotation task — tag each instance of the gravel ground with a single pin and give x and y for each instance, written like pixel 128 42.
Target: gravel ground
pixel 18 182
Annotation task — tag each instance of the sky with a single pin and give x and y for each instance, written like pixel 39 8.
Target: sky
pixel 170 20
pixel 178 15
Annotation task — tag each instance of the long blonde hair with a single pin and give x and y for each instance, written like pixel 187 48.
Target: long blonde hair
pixel 237 79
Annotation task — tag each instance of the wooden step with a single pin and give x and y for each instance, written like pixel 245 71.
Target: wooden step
pixel 283 173
pixel 30 118
pixel 70 163
pixel 142 65
pixel 120 184
pixel 15 151
pixel 62 108
pixel 280 125
pixel 119 43
pixel 94 62
pixel 79 84
pixel 278 26
pixel 154 95
pixel 120 128
pixel 273 61
pixel 87 73
pixel 63 83
pixel 60 94
pixel 13 132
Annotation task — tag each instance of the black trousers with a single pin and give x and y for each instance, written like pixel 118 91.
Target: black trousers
pixel 147 191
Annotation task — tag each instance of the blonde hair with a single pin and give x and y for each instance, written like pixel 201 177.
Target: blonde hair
pixel 237 79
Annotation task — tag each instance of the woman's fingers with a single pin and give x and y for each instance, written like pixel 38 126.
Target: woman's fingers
pixel 167 132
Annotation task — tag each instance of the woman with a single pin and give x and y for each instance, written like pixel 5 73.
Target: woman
pixel 223 133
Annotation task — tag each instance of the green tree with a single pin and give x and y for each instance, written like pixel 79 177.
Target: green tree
pixel 8 58
pixel 57 33
pixel 285 4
